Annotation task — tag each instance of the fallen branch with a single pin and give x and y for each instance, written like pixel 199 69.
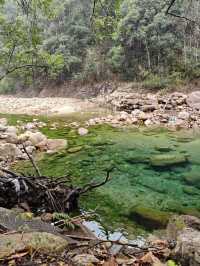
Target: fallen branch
pixel 32 161
pixel 41 192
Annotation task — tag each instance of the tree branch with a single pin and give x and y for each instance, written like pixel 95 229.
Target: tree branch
pixel 91 186
pixel 20 67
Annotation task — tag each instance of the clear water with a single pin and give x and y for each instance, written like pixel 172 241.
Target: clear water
pixel 136 185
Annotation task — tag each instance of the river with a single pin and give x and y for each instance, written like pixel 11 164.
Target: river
pixel 142 193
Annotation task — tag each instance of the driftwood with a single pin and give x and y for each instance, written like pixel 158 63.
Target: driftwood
pixel 41 193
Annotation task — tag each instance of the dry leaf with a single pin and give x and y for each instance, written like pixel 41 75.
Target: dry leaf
pixel 150 258
pixel 110 262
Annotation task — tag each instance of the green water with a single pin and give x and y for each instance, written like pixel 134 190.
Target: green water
pixel 136 185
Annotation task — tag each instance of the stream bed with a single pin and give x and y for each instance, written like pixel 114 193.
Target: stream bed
pixel 156 173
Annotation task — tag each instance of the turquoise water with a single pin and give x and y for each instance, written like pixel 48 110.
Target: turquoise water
pixel 156 173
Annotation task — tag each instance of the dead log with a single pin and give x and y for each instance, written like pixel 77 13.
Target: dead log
pixel 41 193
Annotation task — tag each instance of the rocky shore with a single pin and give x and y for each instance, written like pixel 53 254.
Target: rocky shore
pixel 14 140
pixel 176 110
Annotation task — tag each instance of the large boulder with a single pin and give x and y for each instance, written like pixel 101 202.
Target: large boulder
pixel 193 99
pixel 185 230
pixel 39 241
pixel 167 159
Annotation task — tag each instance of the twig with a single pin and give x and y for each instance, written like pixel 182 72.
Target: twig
pixel 32 161
pixel 91 186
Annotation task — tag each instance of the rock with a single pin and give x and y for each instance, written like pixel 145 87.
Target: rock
pixel 11 130
pixel 37 138
pixel 12 138
pixel 3 121
pixel 150 217
pixel 148 108
pixel 185 230
pixel 30 149
pixel 163 148
pixel 148 122
pixel 143 116
pixel 56 144
pixel 3 128
pixel 184 115
pixel 193 99
pixel 75 149
pixel 85 260
pixel 30 126
pixel 82 131
pixel 167 159
pixel 193 176
pixel 9 150
pixel 38 241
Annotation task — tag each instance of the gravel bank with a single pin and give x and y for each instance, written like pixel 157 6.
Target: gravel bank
pixel 43 106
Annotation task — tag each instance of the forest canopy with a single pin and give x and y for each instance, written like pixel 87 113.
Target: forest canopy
pixel 45 40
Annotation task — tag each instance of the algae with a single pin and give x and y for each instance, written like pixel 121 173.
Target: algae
pixel 134 181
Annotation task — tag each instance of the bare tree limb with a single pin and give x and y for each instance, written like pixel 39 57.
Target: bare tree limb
pixel 168 12
pixel 91 186
pixel 37 170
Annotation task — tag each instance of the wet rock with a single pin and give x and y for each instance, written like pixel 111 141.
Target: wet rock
pixel 56 144
pixel 40 241
pixel 185 230
pixel 75 149
pixel 167 159
pixel 82 131
pixel 85 260
pixel 149 217
pixel 193 176
pixel 163 148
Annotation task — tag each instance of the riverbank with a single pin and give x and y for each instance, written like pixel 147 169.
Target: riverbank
pixel 123 107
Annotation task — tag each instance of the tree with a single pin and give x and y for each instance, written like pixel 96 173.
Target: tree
pixel 21 40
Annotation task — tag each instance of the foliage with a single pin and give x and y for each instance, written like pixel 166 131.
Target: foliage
pixel 65 219
pixel 62 40
pixel 156 82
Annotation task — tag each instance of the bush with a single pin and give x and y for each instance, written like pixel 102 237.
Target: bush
pixel 156 82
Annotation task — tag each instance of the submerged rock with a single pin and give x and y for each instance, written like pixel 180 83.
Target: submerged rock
pixel 167 159
pixel 56 144
pixel 82 131
pixel 149 217
pixel 193 177
pixel 75 149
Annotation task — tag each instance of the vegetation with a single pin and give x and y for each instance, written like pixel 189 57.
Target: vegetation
pixel 45 40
